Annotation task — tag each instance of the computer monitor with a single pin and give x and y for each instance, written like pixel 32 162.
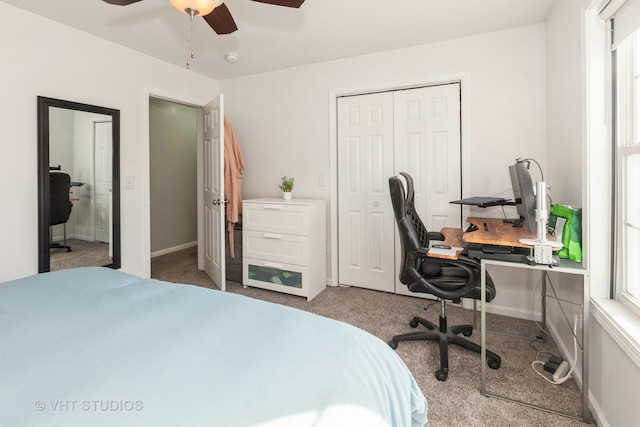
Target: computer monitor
pixel 524 194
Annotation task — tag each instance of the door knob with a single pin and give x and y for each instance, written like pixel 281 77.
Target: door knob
pixel 376 204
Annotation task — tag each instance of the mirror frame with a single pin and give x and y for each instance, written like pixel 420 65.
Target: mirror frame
pixel 43 176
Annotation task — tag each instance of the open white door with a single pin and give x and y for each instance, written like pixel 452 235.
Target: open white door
pixel 213 192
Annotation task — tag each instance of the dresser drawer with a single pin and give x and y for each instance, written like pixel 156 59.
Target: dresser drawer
pixel 275 276
pixel 278 247
pixel 271 217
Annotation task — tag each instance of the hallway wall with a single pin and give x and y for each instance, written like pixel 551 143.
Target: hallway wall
pixel 173 185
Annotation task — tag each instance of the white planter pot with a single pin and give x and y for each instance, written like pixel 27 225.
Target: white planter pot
pixel 287 195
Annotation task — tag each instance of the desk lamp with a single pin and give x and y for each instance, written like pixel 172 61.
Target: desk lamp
pixel 542 247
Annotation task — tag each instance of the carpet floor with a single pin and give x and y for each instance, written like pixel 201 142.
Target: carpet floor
pixel 83 253
pixel 455 402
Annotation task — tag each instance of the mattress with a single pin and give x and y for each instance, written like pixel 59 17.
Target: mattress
pixel 99 347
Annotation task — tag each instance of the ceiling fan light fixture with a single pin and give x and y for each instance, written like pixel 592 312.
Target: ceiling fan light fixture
pixel 201 7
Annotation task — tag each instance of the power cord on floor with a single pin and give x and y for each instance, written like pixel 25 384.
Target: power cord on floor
pixel 533 310
pixel 575 357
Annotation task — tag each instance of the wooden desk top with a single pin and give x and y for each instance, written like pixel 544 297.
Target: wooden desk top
pixel 453 238
pixel 497 233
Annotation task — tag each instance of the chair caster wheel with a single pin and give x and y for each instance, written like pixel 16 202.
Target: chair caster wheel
pixel 441 375
pixel 493 364
pixel 393 344
pixel 413 323
pixel 467 333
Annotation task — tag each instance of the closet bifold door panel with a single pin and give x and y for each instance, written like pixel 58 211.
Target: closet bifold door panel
pixel 427 146
pixel 365 215
pixel 415 131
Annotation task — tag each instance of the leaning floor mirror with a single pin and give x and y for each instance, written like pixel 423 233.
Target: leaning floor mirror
pixel 78 185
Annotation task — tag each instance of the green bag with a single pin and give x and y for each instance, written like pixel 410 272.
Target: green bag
pixel 566 222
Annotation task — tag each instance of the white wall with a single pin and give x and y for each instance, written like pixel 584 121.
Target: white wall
pixel 507 113
pixel 614 373
pixel 564 143
pixel 42 57
pixel 506 120
pixel 61 154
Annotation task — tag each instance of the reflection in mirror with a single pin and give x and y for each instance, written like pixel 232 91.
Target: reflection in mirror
pixel 78 185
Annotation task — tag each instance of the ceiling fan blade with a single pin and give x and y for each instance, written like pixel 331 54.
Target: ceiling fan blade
pixel 287 3
pixel 121 2
pixel 220 20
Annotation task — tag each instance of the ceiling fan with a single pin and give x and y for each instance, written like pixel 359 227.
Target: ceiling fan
pixel 215 12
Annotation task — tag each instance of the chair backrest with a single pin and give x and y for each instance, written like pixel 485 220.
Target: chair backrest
pixel 59 204
pixel 447 279
pixel 413 234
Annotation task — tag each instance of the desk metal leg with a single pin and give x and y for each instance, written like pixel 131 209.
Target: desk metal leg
pixel 584 349
pixel 483 326
pixel 544 306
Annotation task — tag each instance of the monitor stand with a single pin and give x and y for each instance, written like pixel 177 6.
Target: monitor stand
pixel 515 222
pixel 542 248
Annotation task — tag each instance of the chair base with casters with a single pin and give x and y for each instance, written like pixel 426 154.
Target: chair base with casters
pixel 57 245
pixel 445 336
pixel 446 279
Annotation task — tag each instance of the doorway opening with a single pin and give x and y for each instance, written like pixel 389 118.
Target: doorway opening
pixel 172 176
pixel 208 184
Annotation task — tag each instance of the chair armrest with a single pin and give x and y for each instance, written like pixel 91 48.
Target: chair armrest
pixel 440 286
pixel 435 235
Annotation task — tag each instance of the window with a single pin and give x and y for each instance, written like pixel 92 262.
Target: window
pixel 627 169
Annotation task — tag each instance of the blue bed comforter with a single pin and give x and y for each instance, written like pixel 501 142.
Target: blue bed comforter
pixel 98 347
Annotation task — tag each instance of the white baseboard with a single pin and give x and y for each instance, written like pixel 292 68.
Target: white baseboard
pixel 518 313
pixel 174 249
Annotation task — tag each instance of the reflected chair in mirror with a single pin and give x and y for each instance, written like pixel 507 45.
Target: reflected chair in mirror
pixel 448 280
pixel 59 206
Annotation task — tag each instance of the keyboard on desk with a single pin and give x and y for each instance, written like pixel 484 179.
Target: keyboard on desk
pixel 500 253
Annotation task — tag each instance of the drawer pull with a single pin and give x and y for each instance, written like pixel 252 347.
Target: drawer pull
pixel 272 264
pixel 272 236
pixel 272 207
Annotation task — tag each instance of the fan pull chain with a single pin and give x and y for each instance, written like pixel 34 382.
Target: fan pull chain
pixel 189 44
pixel 192 13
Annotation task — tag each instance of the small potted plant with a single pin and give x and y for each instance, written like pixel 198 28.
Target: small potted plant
pixel 286 185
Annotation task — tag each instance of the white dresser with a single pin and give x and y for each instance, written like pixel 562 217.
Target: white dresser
pixel 284 245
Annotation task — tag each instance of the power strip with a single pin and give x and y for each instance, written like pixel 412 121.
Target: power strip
pixel 561 371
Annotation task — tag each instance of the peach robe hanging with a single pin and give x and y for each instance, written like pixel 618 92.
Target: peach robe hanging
pixel 233 173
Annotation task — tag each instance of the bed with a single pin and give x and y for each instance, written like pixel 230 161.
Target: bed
pixel 99 347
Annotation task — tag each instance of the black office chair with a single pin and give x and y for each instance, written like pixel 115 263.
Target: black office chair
pixel 446 279
pixel 59 204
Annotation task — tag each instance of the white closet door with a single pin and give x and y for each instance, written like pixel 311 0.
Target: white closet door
pixel 365 216
pixel 427 146
pixel 415 131
pixel 103 154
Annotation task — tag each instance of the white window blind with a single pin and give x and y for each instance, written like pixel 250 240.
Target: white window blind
pixel 626 18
